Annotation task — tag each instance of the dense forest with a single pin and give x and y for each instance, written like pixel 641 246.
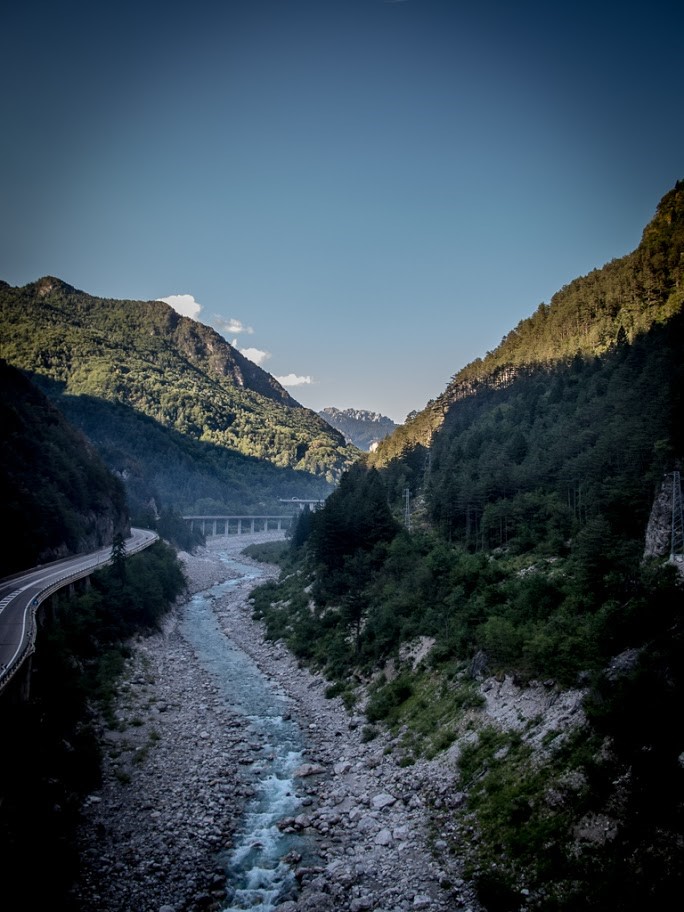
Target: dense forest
pixel 166 470
pixel 502 530
pixel 58 497
pixel 193 424
pixel 505 528
pixel 54 761
pixel 586 318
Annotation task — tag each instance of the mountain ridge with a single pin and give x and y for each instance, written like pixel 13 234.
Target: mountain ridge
pixel 514 549
pixel 145 357
pixel 202 345
pixel 362 428
pixel 585 318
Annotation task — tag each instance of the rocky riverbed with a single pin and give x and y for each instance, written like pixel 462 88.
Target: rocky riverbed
pixel 178 774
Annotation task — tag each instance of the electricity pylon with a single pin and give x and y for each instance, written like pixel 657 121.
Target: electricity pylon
pixel 407 509
pixel 677 541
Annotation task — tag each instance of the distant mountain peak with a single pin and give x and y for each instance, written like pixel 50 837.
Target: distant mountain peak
pixel 363 428
pixel 355 414
pixel 48 284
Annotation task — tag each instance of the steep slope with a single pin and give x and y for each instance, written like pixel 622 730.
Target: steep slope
pixel 515 629
pixel 177 371
pixel 144 357
pixel 58 498
pixel 360 427
pixel 587 317
pixel 163 468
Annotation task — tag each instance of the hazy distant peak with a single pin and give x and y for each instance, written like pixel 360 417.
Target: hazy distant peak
pixel 361 427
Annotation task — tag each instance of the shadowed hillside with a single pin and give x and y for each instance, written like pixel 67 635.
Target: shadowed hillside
pixel 587 317
pixel 516 565
pixel 191 390
pixel 58 497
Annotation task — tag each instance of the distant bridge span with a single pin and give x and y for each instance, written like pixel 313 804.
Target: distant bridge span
pixel 248 525
pixel 238 525
pixel 301 503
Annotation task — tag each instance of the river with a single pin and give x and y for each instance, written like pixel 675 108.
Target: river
pixel 211 722
pixel 256 875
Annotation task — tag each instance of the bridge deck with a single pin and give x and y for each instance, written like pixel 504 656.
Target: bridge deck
pixel 238 525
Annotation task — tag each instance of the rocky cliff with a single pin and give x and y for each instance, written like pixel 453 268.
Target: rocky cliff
pixel 658 541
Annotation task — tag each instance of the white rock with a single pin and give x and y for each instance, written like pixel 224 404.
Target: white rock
pixel 384 838
pixel 367 824
pixel 384 800
pixel 308 769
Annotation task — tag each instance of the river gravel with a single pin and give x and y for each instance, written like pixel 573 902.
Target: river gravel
pixel 179 768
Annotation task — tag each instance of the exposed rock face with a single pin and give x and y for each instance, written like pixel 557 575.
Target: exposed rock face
pixel 659 529
pixel 362 428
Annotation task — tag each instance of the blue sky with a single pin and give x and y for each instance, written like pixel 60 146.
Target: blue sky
pixel 363 195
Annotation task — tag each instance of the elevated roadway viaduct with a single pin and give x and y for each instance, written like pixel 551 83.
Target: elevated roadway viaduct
pixel 21 596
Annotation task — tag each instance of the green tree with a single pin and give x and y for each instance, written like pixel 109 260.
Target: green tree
pixel 118 556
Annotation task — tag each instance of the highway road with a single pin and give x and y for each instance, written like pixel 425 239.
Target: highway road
pixel 21 594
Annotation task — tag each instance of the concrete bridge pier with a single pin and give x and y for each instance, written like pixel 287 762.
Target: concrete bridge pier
pixel 237 525
pixel 18 689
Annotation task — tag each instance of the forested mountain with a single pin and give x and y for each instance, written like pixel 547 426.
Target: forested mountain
pixel 58 498
pixel 360 427
pixel 179 413
pixel 57 495
pixel 519 556
pixel 587 317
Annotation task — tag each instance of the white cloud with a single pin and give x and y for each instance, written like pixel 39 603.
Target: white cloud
pixel 183 304
pixel 254 354
pixel 294 380
pixel 231 326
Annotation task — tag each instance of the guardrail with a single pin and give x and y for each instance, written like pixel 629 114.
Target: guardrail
pixel 6 674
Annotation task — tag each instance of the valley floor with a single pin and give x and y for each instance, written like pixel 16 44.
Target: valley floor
pixel 177 779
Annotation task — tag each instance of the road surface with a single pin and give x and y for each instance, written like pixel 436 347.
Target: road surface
pixel 21 594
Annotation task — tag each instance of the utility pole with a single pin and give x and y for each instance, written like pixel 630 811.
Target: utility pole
pixel 677 541
pixel 407 509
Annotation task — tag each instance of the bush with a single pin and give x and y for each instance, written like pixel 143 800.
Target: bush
pixel 386 700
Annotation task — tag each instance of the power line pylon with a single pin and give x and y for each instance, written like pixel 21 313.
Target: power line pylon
pixel 407 509
pixel 677 541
